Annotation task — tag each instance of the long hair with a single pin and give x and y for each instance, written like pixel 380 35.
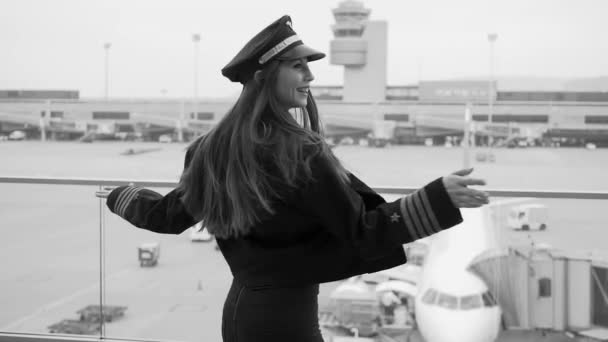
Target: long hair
pixel 252 159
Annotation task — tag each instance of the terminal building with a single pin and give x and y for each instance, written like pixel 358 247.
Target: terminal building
pixel 364 106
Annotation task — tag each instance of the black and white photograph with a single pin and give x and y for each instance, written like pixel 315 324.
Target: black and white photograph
pixel 292 171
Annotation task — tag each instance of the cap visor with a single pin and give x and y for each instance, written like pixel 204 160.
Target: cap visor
pixel 302 51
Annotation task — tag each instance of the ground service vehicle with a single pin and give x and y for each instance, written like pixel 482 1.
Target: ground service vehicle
pixel 528 216
pixel 92 313
pixel 76 327
pixel 355 307
pixel 148 254
pixel 17 135
pixel 198 232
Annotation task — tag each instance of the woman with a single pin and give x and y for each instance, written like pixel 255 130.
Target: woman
pixel 285 213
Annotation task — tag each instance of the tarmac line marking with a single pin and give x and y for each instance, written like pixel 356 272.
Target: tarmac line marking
pixel 59 302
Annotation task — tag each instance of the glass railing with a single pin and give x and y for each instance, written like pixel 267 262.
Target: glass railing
pixel 65 257
pixel 50 256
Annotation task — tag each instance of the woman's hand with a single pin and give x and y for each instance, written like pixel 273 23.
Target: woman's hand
pixel 456 186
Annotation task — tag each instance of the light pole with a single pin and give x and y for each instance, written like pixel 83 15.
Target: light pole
pixel 196 38
pixel 106 47
pixel 491 39
pixel 466 139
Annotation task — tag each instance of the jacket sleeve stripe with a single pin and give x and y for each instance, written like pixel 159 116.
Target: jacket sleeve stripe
pixel 120 200
pixel 422 214
pixel 127 200
pixel 409 202
pixel 413 217
pixel 132 196
pixel 407 220
pixel 429 211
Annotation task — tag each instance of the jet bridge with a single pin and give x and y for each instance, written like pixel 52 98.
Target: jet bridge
pixel 546 288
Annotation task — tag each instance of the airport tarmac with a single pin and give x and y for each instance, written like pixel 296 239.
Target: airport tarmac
pixel 50 244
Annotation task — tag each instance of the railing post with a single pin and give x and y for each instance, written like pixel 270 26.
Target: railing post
pixel 102 264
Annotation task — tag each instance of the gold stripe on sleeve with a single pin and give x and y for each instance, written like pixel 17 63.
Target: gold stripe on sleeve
pixel 429 211
pixel 409 202
pixel 120 201
pixel 406 218
pixel 127 201
pixel 423 217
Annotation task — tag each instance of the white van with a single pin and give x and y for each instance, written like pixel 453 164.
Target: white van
pixel 165 138
pixel 528 216
pixel 17 135
pixel 199 233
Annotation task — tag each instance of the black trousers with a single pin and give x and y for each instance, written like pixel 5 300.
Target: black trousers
pixel 269 314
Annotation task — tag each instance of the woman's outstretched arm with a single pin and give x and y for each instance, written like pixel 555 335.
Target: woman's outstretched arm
pixel 147 209
pixel 357 216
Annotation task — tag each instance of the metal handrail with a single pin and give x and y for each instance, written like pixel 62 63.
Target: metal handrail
pixel 596 195
pixel 87 181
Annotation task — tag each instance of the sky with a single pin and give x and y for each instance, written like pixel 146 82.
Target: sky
pixel 59 44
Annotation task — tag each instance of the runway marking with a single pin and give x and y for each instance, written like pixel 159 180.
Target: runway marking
pixel 12 326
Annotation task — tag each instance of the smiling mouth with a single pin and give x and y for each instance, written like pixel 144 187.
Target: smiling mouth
pixel 303 90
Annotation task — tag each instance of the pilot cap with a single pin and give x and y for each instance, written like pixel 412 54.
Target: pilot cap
pixel 278 41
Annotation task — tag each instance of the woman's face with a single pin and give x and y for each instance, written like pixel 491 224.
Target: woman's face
pixel 293 82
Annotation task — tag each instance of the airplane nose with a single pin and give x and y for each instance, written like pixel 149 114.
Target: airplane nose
pixel 442 324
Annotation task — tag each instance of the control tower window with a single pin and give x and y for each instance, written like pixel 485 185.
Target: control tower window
pixel 348 33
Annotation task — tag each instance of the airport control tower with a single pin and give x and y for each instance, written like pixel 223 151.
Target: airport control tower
pixel 360 45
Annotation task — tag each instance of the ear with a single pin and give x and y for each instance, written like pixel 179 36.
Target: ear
pixel 258 76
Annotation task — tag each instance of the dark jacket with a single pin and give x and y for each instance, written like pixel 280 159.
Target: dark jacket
pixel 324 232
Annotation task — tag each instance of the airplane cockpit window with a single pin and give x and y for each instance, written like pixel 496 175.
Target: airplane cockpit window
pixel 429 297
pixel 447 301
pixel 470 302
pixel 488 299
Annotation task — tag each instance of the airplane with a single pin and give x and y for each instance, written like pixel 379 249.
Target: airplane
pixel 451 303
